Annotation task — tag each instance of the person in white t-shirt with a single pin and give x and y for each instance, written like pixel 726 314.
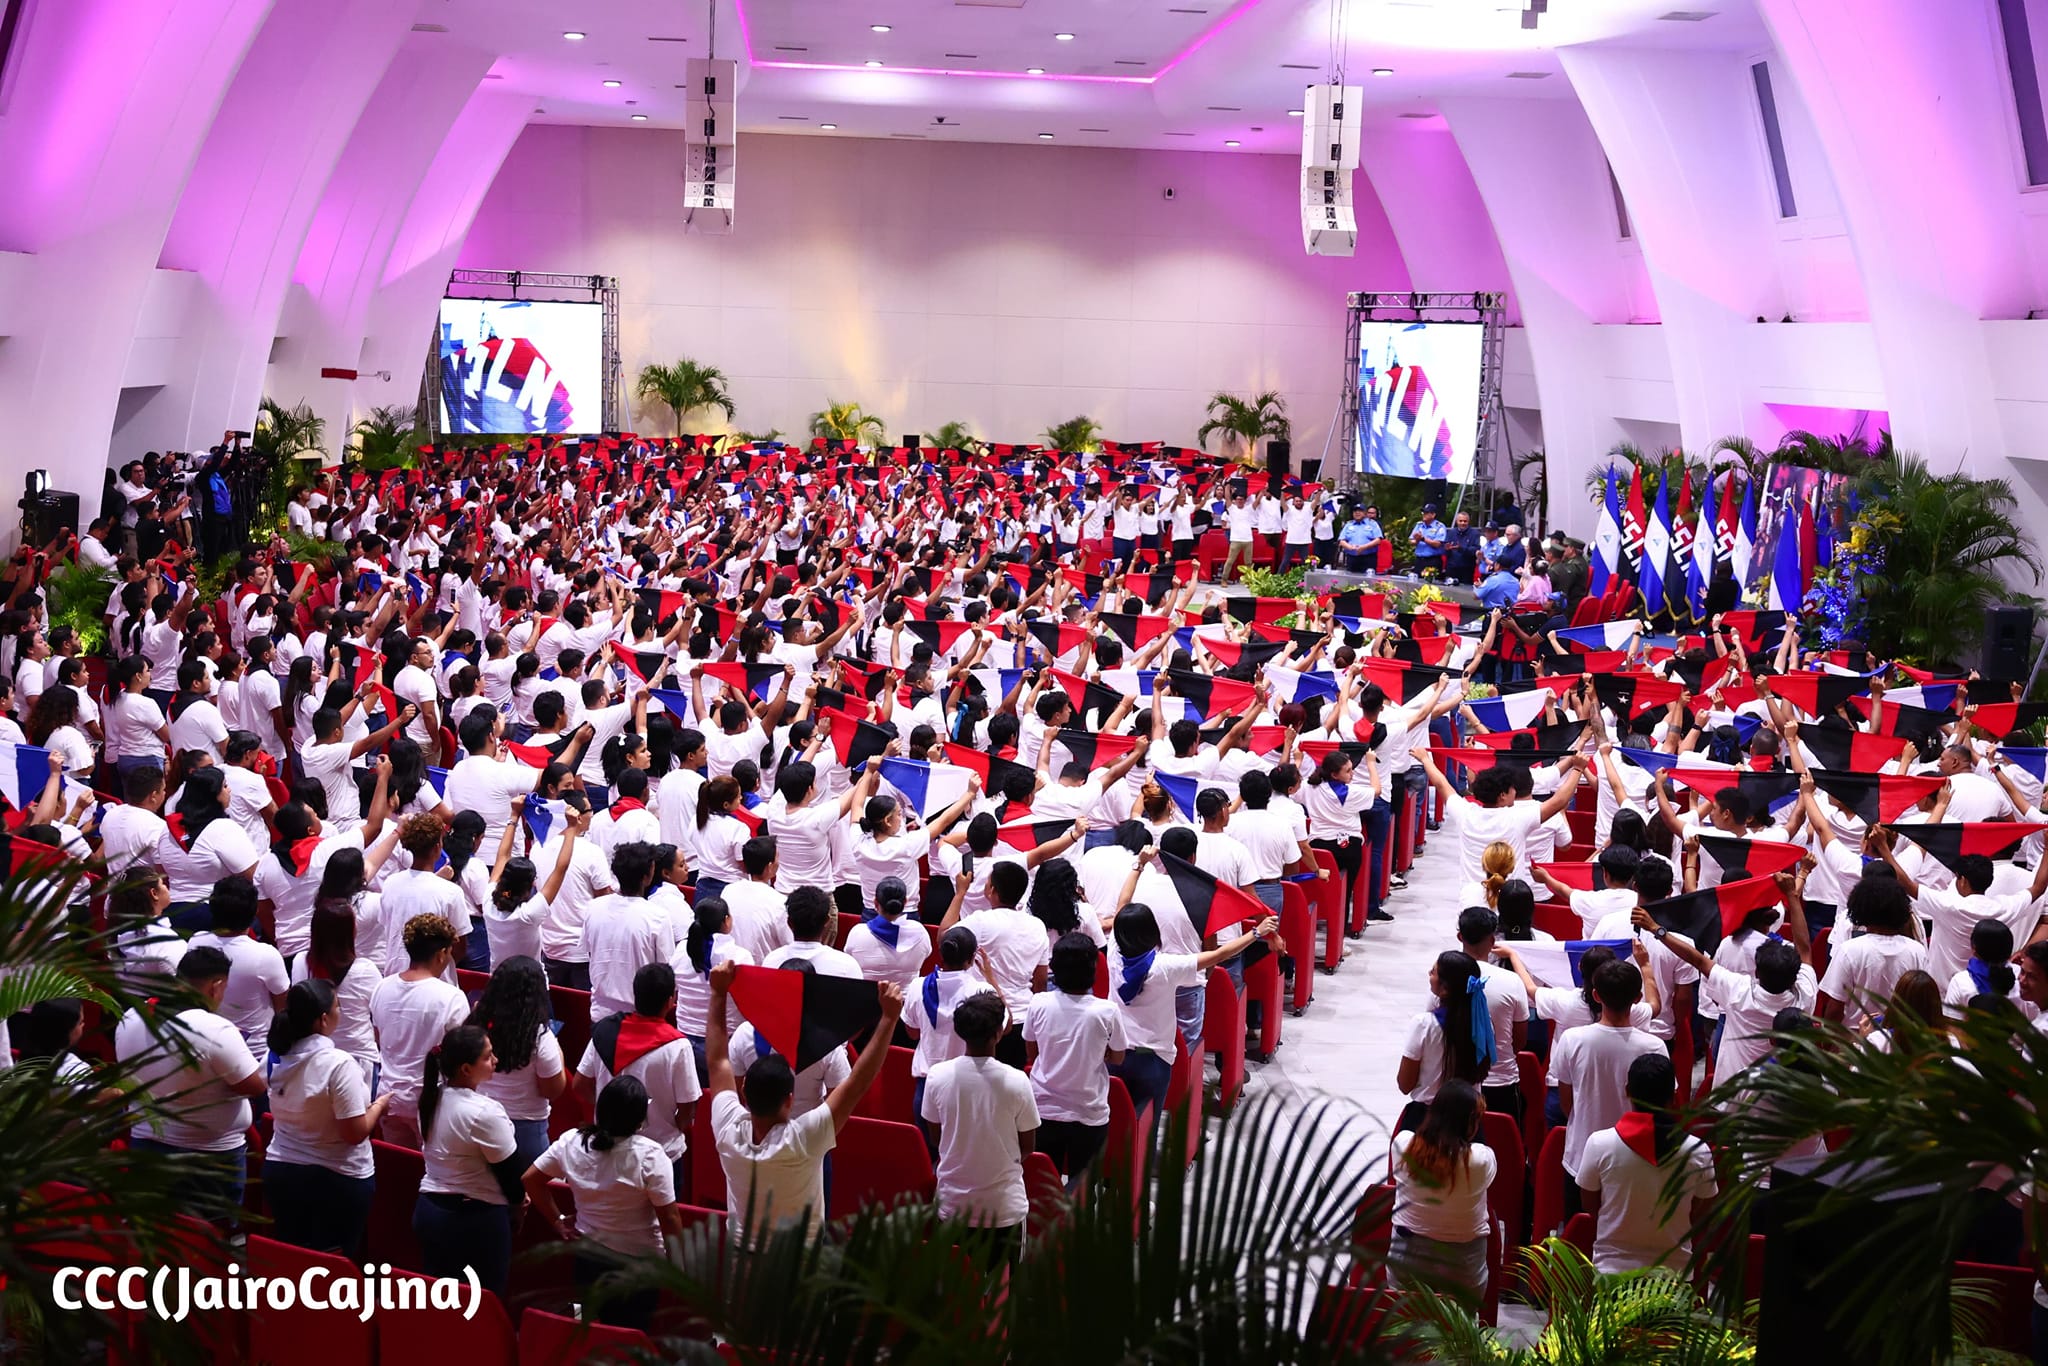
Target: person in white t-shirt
pixel 1441 1178
pixel 257 980
pixel 529 1072
pixel 1625 1174
pixel 463 1219
pixel 410 1012
pixel 987 1120
pixel 318 1174
pixel 1749 1002
pixel 1864 966
pixel 1071 1040
pixel 1493 814
pixel 890 946
pixel 1590 1065
pixel 774 1164
pixel 625 1196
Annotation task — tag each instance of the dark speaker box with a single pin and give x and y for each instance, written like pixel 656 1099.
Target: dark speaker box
pixel 51 512
pixel 1279 461
pixel 2008 643
pixel 912 440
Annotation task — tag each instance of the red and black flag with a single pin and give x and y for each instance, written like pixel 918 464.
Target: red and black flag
pixel 1256 739
pixel 995 772
pixel 856 741
pixel 642 664
pixel 1817 695
pixel 1029 578
pixel 1636 692
pixel 1026 835
pixel 741 677
pixel 1484 756
pixel 1209 697
pixel 1315 750
pixel 1746 858
pixel 919 576
pixel 358 665
pixel 1212 906
pixel 2001 719
pixel 622 1040
pixel 1708 916
pixel 1951 842
pixel 1977 692
pixel 869 681
pixel 1766 791
pixel 1759 630
pixel 1303 641
pixel 1154 587
pixel 805 1015
pixel 1135 629
pixel 1905 722
pixel 1402 682
pixel 1699 674
pixel 1096 750
pixel 1430 650
pixel 1259 609
pixel 1856 750
pixel 1235 652
pixel 538 756
pixel 1591 662
pixel 1057 637
pixel 1580 877
pixel 664 603
pixel 1563 737
pixel 1876 797
pixel 940 635
pixel 1354 603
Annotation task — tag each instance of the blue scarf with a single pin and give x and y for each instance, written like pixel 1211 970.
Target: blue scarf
pixel 883 929
pixel 1340 790
pixel 1482 1019
pixel 1134 973
pixel 931 998
pixel 1980 973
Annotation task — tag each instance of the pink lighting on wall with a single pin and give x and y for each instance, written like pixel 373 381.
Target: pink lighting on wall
pixel 1200 39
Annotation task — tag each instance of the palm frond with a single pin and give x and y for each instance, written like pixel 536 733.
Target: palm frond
pixel 1262 415
pixel 684 387
pixel 1075 434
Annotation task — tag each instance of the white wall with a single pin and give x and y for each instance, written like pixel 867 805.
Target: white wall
pixel 1005 287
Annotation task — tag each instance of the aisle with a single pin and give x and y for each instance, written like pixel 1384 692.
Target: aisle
pixel 1349 1042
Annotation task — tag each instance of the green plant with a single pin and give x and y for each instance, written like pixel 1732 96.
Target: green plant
pixel 384 440
pixel 1529 473
pixel 1957 546
pixel 75 595
pixel 1075 434
pixel 1595 1320
pixel 1625 458
pixel 310 549
pixel 212 581
pixel 1244 421
pixel 954 436
pixel 1225 1260
pixel 846 422
pixel 286 433
pixel 1264 583
pixel 683 388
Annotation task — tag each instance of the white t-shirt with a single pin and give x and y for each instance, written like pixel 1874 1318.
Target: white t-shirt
pixel 471 1131
pixel 670 1075
pixel 1478 826
pixel 1070 1078
pixel 221 850
pixel 411 892
pixel 207 1116
pixel 1668 970
pixel 777 1179
pixel 312 1089
pixel 519 1092
pixel 980 1106
pixel 1863 969
pixel 617 1191
pixel 621 935
pixel 487 787
pixel 1014 941
pixel 1747 1011
pixel 410 1019
pixel 1634 1230
pixel 255 974
pixel 1456 1213
pixel 1594 1062
pixel 1149 1016
pixel 759 922
pixel 880 963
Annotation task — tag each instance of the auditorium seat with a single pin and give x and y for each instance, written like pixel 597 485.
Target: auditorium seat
pixel 1102 976
pixel 572 1008
pixel 1046 1189
pixel 1262 983
pixel 551 1340
pixel 399 1173
pixel 707 1177
pixel 1298 915
pixel 1580 1232
pixel 1384 562
pixel 1546 1187
pixel 1534 1093
pixel 877 1162
pixel 892 1097
pixel 1583 824
pixel 1184 1090
pixel 302 1336
pixel 1557 919
pixel 473 982
pixel 1508 1195
pixel 2009 1318
pixel 1223 1026
pixel 482 1339
pixel 1120 1148
pixel 1210 549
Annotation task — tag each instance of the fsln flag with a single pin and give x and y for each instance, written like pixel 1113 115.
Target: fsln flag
pixel 1633 525
pixel 1708 916
pixel 805 1015
pixel 1742 858
pixel 1950 843
pixel 1876 797
pixel 1214 907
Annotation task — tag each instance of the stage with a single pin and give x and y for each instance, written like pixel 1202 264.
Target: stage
pixel 1338 580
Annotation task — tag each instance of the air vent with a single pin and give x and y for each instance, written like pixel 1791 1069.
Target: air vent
pixel 492 76
pixel 429 28
pixel 1528 75
pixel 655 39
pixel 918 136
pixel 1687 16
pixel 790 47
pixel 1091 130
pixel 965 56
pixel 1225 109
pixel 1172 10
pixel 794 118
pixel 1299 66
pixel 1130 61
pixel 1417 116
pixel 1179 135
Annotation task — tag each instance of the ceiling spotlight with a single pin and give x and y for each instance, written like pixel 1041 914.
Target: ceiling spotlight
pixel 573 36
pixel 828 127
pixel 1230 142
pixel 873 62
pixel 1297 113
pixel 878 28
pixel 1063 37
pixel 1045 137
pixel 613 85
pixel 639 118
pixel 1034 71
pixel 1383 71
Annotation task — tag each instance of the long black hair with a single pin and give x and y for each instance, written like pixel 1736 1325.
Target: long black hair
pixel 513 1009
pixel 1056 896
pixel 459 1047
pixel 621 1112
pixel 1458 975
pixel 305 1005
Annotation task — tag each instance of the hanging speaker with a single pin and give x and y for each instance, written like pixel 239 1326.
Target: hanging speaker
pixel 2008 640
pixel 1329 226
pixel 711 134
pixel 1279 462
pixel 1329 126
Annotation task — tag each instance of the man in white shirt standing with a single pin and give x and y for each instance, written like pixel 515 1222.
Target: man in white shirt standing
pixel 1624 1172
pixel 987 1121
pixel 1014 943
pixel 811 918
pixel 624 932
pixel 415 684
pixel 1590 1064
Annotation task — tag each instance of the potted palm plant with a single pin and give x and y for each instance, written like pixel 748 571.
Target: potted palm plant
pixel 1075 434
pixel 384 440
pixel 954 436
pixel 1243 422
pixel 846 422
pixel 683 388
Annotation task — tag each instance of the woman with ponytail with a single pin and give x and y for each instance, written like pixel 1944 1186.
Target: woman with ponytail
pixel 331 958
pixel 721 834
pixel 463 1220
pixel 889 945
pixel 1441 1176
pixel 706 944
pixel 1452 1042
pixel 1496 866
pixel 1626 1174
pixel 318 1173
pixel 886 847
pixel 1988 972
pixel 1335 798
pixel 625 1195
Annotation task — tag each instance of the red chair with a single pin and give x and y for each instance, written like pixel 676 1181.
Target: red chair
pixel 450 747
pixel 1557 920
pixel 1580 1233
pixel 1384 563
pixel 551 1340
pixel 399 1173
pixel 1298 941
pixel 1184 1090
pixel 892 1097
pixel 471 981
pixel 1534 1094
pixel 1046 1189
pixel 1102 977
pixel 1587 613
pixel 877 1162
pixel 1546 1187
pixel 1124 1135
pixel 1223 1026
pixel 1210 549
pixel 1262 984
pixel 2010 1325
pixel 1820 950
pixel 1681 1060
pixel 484 1339
pixel 1507 1195
pixel 707 1175
pixel 572 1008
pixel 300 1336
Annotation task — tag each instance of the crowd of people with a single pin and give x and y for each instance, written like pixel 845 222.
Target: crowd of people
pixel 639 719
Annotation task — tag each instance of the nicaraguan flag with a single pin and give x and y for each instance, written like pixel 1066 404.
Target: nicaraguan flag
pixel 369 581
pixel 1557 965
pixel 1296 685
pixel 1657 551
pixel 1745 534
pixel 673 700
pixel 439 778
pixel 1788 588
pixel 415 588
pixel 996 683
pixel 1699 565
pixel 1130 682
pixel 1928 696
pixel 1608 635
pixel 1607 538
pixel 925 788
pixel 1512 711
pixel 24 772
pixel 539 816
pixel 1182 789
pixel 2033 761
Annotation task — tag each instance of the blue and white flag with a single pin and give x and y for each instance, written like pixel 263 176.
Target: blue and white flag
pixel 1788 590
pixel 671 700
pixel 1182 789
pixel 539 815
pixel 1298 685
pixel 1608 635
pixel 24 772
pixel 369 581
pixel 415 588
pixel 439 778
pixel 1929 696
pixel 1657 551
pixel 1511 711
pixel 1745 534
pixel 925 788
pixel 1130 682
pixel 1699 565
pixel 1607 538
pixel 1557 965
pixel 2032 761
pixel 996 683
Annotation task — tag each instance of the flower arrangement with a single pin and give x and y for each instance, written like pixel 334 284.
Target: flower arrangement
pixel 1412 600
pixel 1837 596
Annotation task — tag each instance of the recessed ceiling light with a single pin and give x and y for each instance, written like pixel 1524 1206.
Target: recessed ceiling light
pixel 639 118
pixel 878 28
pixel 828 127
pixel 873 62
pixel 1045 137
pixel 1230 142
pixel 1063 37
pixel 613 85
pixel 1383 71
pixel 1297 113
pixel 1034 71
pixel 573 36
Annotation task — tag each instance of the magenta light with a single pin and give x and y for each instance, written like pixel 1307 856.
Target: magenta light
pixel 1244 6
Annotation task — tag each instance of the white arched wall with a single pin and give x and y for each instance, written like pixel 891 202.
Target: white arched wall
pixel 341 264
pixel 251 199
pixel 111 103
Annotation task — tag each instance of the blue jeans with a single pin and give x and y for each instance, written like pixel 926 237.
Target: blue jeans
pixel 1190 1008
pixel 456 1233
pixel 1145 1076
pixel 220 1180
pixel 317 1207
pixel 529 1139
pixel 708 887
pixel 1123 547
pixel 1289 554
pixel 1379 823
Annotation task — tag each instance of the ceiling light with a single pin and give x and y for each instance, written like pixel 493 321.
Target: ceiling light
pixel 613 85
pixel 1045 137
pixel 639 118
pixel 1383 71
pixel 828 127
pixel 1297 113
pixel 1063 37
pixel 878 28
pixel 1034 71
pixel 873 62
pixel 573 36
pixel 1230 142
